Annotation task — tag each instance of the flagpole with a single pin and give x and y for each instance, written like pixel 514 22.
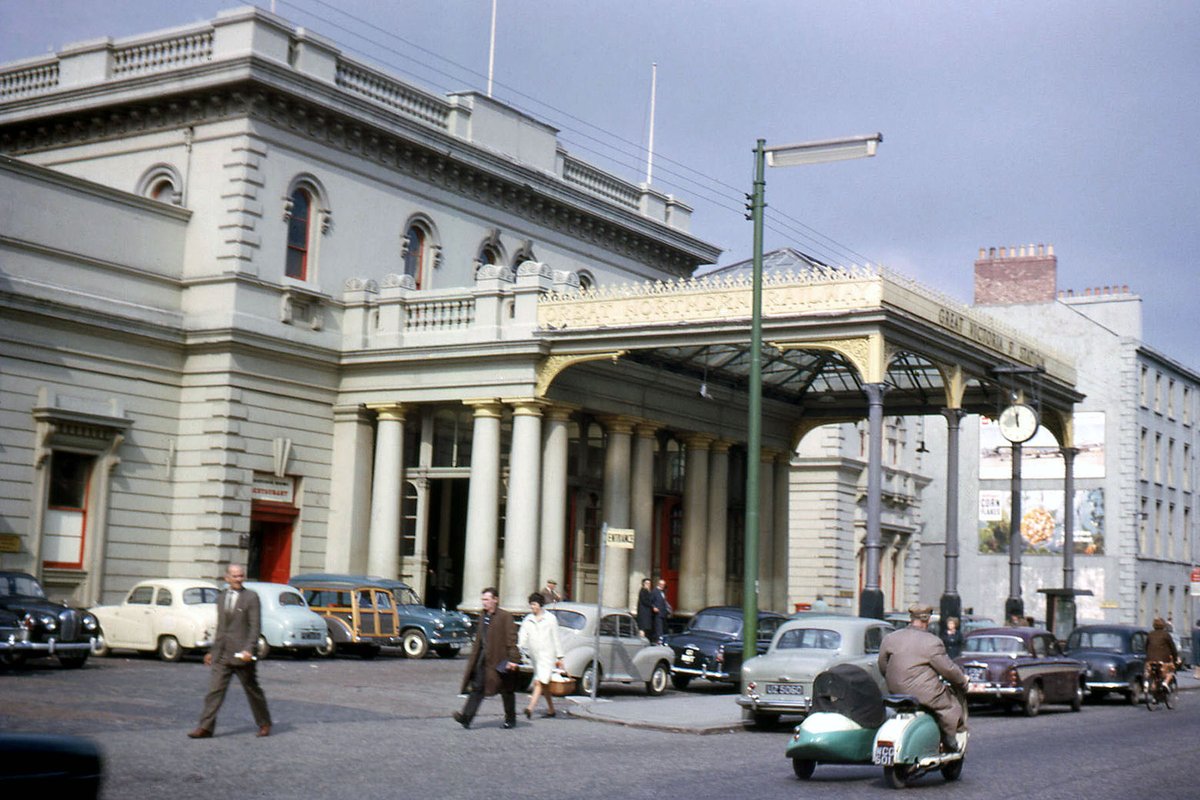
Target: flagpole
pixel 492 50
pixel 650 147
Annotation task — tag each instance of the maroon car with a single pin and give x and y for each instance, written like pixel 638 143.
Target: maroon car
pixel 1020 667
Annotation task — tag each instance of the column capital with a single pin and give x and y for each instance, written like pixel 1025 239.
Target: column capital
pixel 647 429
pixel 389 411
pixel 485 407
pixel 559 412
pixel 699 441
pixel 525 406
pixel 953 416
pixel 617 423
pixel 721 445
pixel 769 454
pixel 351 411
pixel 875 392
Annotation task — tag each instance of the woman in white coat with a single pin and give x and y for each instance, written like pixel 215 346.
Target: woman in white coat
pixel 538 637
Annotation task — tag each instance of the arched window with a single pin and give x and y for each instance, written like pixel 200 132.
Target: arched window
pixel 586 281
pixel 299 228
pixel 416 240
pixel 489 254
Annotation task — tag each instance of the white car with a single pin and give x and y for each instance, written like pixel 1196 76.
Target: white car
pixel 781 680
pixel 169 616
pixel 287 621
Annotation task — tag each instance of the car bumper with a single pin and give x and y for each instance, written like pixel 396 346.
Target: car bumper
pixel 300 642
pixel 703 672
pixel 775 705
pixel 450 639
pixel 991 690
pixel 1108 686
pixel 51 647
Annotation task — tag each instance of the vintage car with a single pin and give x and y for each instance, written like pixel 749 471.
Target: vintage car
pixel 781 681
pixel 1115 656
pixel 422 628
pixel 625 655
pixel 287 621
pixel 168 616
pixel 45 628
pixel 711 645
pixel 360 613
pixel 1024 667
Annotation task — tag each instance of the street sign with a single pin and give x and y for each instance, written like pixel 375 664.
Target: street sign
pixel 620 537
pixel 1195 581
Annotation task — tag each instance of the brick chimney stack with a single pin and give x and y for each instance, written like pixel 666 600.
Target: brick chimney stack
pixel 1024 274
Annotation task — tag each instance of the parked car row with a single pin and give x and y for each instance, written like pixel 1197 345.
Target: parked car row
pixel 33 626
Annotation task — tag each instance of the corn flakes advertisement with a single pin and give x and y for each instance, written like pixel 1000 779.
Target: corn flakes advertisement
pixel 1042 528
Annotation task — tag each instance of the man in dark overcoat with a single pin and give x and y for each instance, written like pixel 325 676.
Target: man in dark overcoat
pixel 645 610
pixel 239 620
pixel 493 661
pixel 661 610
pixel 913 661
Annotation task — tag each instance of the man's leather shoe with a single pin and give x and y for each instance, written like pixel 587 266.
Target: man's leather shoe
pixel 509 724
pixel 264 730
pixel 462 720
pixel 200 733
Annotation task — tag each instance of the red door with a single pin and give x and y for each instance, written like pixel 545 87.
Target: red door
pixel 270 557
pixel 668 540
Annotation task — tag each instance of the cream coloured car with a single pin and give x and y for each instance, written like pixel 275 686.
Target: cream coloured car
pixel 169 616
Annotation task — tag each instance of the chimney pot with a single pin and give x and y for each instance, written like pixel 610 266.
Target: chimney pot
pixel 992 253
pixel 1049 249
pixel 981 254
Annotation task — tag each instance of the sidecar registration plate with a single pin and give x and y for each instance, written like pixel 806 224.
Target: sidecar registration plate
pixel 885 754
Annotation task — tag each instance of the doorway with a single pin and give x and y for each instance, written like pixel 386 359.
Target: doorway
pixel 270 552
pixel 668 542
pixel 447 542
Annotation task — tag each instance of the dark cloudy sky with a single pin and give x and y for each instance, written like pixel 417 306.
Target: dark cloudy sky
pixel 1005 123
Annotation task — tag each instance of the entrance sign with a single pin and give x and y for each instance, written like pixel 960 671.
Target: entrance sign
pixel 620 537
pixel 271 489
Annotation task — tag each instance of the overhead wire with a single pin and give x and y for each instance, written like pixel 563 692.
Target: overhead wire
pixel 703 187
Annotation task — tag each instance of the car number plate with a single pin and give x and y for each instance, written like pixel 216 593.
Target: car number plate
pixel 977 674
pixel 793 689
pixel 688 656
pixel 310 635
pixel 885 754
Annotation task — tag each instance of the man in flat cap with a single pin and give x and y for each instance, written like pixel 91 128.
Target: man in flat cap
pixel 914 661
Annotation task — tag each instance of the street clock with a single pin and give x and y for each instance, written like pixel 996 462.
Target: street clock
pixel 1018 423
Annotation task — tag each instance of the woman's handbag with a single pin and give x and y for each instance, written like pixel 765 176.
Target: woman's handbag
pixel 561 684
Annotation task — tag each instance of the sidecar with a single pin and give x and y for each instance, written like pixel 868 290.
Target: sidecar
pixel 847 711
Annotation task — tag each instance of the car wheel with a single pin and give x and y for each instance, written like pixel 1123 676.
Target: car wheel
pixel 262 649
pixel 1077 700
pixel 414 644
pixel 99 645
pixel 803 767
pixel 1033 701
pixel 659 679
pixel 169 649
pixel 588 678
pixel 327 648
pixel 12 659
pixel 368 651
pixel 681 682
pixel 73 661
pixel 898 777
pixel 1134 695
pixel 952 770
pixel 446 652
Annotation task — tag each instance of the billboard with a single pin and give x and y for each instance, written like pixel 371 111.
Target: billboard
pixel 1040 456
pixel 1042 529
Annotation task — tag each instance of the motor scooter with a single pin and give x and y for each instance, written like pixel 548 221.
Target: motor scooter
pixel 849 724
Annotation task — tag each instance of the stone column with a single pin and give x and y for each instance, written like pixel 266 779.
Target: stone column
pixel 521 530
pixel 642 508
pixel 349 490
pixel 483 504
pixel 718 523
pixel 783 477
pixel 951 604
pixel 616 507
pixel 766 529
pixel 692 559
pixel 1068 454
pixel 552 562
pixel 420 558
pixel 870 602
pixel 383 545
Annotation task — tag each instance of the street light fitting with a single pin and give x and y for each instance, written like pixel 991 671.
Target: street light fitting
pixel 822 152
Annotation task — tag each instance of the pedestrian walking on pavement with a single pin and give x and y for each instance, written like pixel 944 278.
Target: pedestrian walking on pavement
pixel 493 662
pixel 645 610
pixel 239 620
pixel 538 638
pixel 662 610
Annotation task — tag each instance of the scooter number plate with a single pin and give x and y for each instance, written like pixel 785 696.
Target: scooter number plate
pixel 885 755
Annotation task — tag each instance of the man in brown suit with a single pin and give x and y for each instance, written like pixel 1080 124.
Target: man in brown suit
pixel 913 661
pixel 492 662
pixel 239 619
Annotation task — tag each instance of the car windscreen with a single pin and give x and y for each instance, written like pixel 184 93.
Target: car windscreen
pixel 715 623
pixel 406 596
pixel 809 639
pixel 290 599
pixel 20 585
pixel 1095 640
pixel 569 619
pixel 198 595
pixel 1006 645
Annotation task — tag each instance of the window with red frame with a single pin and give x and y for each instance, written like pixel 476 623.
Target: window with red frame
pixel 298 229
pixel 414 254
pixel 65 522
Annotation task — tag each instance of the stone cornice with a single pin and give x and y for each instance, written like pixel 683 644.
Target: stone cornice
pixel 272 93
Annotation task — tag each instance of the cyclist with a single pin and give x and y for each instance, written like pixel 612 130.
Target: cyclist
pixel 1160 648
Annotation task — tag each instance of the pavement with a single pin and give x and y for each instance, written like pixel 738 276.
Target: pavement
pixel 701 714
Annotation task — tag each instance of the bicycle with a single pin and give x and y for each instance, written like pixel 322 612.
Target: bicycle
pixel 1156 691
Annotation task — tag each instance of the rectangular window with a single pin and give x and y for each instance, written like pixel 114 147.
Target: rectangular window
pixel 1158 526
pixel 1145 387
pixel 1158 458
pixel 1171 398
pixel 1143 528
pixel 1187 405
pixel 1158 392
pixel 1171 531
pixel 1186 483
pixel 1143 456
pixel 66 509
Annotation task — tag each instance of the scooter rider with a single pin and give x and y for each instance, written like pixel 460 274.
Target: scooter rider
pixel 913 661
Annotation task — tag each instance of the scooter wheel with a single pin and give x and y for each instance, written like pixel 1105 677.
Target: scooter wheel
pixel 899 776
pixel 952 770
pixel 803 767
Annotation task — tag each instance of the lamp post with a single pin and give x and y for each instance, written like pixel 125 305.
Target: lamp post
pixel 791 155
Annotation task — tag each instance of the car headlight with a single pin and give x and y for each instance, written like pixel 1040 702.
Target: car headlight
pixel 89 622
pixel 439 624
pixel 48 622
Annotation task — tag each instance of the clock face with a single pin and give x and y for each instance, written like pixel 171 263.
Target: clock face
pixel 1018 422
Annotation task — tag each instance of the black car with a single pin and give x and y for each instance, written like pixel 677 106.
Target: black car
pixel 46 628
pixel 1115 655
pixel 711 645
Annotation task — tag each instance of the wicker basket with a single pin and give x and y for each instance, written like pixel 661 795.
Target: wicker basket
pixel 561 685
